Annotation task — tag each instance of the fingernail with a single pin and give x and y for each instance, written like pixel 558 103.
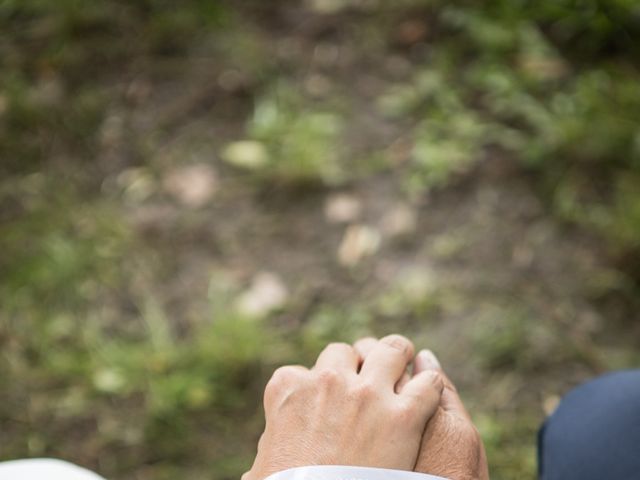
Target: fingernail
pixel 429 360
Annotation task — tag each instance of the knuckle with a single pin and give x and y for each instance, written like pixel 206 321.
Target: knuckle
pixel 414 398
pixel 284 375
pixel 367 340
pixel 364 391
pixel 327 378
pixel 406 411
pixel 281 379
pixel 339 346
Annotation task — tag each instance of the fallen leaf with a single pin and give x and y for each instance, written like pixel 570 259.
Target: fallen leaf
pixel 416 283
pixel 342 208
pixel 359 241
pixel 247 154
pixel 266 294
pixel 108 380
pixel 192 185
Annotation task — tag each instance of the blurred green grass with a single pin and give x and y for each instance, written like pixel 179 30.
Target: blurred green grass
pixel 93 366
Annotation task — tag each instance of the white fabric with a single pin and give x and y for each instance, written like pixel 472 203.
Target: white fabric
pixel 44 469
pixel 49 469
pixel 330 472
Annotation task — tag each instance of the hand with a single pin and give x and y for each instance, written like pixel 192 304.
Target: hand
pixel 345 411
pixel 451 446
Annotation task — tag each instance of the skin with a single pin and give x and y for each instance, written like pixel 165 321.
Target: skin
pixel 451 446
pixel 348 410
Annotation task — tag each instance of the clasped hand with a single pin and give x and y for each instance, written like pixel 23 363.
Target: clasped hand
pixel 359 406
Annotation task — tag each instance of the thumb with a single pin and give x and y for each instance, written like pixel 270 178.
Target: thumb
pixel 450 401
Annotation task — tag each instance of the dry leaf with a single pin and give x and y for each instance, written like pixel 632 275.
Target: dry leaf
pixel 247 154
pixel 342 208
pixel 193 185
pixel 266 294
pixel 359 241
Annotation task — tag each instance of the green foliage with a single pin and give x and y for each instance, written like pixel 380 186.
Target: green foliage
pixel 509 339
pixel 589 28
pixel 502 436
pixel 75 361
pixel 209 369
pixel 332 324
pixel 162 21
pixel 498 81
pixel 38 114
pixel 88 345
pixel 447 140
pixel 53 53
pixel 59 248
pixel 298 143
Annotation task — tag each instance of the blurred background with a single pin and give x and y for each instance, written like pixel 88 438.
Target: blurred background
pixel 193 193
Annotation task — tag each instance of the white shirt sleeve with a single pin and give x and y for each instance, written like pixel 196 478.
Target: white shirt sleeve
pixel 44 469
pixel 333 472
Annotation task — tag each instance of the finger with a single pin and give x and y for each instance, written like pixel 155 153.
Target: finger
pixel 338 356
pixel 364 346
pixel 402 382
pixel 451 402
pixel 388 360
pixel 424 391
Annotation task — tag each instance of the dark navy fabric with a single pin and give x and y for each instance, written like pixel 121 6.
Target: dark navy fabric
pixel 595 432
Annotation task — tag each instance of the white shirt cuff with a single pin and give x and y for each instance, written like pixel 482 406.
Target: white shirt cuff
pixel 44 468
pixel 334 472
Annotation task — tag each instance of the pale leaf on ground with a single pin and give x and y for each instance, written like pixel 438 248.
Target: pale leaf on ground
pixel 359 241
pixel 246 154
pixel 342 208
pixel 266 294
pixel 193 185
